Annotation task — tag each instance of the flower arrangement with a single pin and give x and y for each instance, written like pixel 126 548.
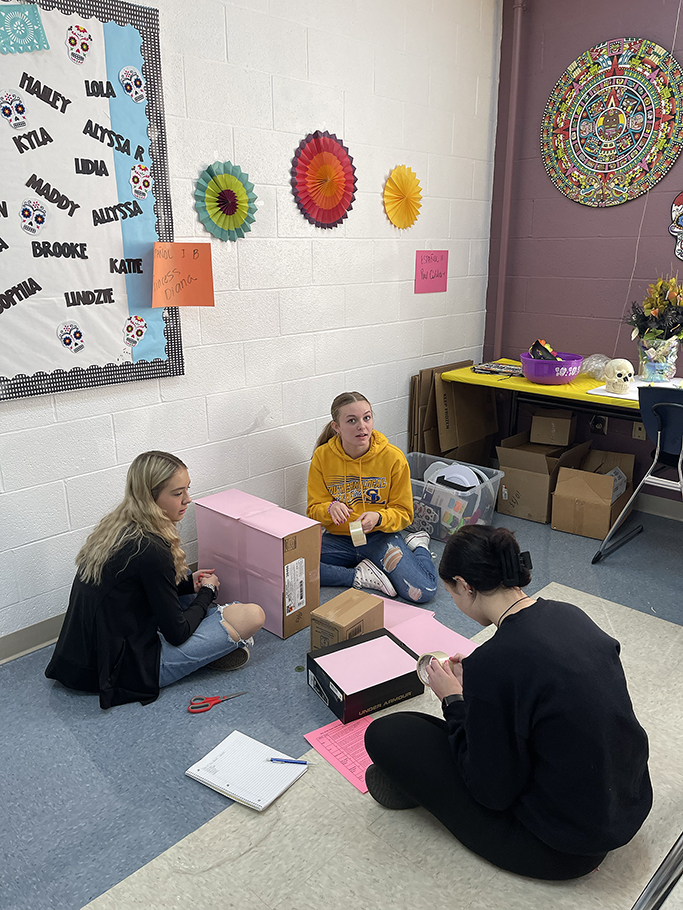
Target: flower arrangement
pixel 660 316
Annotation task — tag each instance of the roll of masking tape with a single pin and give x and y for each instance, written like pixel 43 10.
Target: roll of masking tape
pixel 358 537
pixel 424 660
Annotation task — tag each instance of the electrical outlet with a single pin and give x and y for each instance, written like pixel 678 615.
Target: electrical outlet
pixel 598 424
pixel 638 431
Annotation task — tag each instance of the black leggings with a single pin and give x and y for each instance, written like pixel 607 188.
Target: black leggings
pixel 414 753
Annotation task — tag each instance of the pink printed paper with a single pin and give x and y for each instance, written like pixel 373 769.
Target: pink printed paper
pixel 343 746
pixel 366 664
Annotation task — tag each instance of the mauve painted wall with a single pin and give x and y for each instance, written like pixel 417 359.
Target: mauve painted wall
pixel 570 265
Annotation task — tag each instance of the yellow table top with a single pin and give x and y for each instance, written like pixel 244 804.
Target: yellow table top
pixel 570 391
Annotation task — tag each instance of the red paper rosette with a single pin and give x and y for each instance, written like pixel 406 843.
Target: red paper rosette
pixel 323 179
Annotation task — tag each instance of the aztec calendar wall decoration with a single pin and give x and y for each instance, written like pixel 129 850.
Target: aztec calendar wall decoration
pixel 613 124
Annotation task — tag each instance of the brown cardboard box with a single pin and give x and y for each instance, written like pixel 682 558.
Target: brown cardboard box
pixel 582 501
pixel 553 427
pixel 428 430
pixel 530 475
pixel 347 615
pixel 466 413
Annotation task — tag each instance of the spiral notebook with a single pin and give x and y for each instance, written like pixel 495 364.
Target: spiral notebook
pixel 239 767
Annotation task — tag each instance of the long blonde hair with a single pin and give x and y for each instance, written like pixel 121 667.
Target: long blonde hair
pixel 339 402
pixel 137 516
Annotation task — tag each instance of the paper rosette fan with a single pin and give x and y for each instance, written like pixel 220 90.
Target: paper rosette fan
pixel 225 201
pixel 402 195
pixel 323 179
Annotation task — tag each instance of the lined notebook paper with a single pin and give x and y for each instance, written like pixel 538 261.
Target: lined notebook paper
pixel 239 768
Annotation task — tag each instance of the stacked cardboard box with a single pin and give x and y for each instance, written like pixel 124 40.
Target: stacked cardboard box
pixel 451 418
pixel 588 499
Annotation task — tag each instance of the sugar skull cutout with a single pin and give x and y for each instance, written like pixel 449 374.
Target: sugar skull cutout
pixel 71 336
pixel 618 376
pixel 13 110
pixel 78 43
pixel 33 216
pixel 133 83
pixel 676 226
pixel 134 330
pixel 140 180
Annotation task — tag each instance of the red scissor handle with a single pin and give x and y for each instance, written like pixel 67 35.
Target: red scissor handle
pixel 198 704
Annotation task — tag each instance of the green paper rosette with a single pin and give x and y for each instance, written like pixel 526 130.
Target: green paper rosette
pixel 225 201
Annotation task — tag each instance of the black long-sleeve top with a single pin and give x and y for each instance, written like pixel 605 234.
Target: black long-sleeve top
pixel 109 642
pixel 547 729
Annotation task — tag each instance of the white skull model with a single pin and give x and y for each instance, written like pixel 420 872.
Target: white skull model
pixel 618 376
pixel 78 43
pixel 33 216
pixel 13 110
pixel 676 226
pixel 71 336
pixel 133 83
pixel 140 180
pixel 134 330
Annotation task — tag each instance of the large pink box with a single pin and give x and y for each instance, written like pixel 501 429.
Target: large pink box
pixel 262 554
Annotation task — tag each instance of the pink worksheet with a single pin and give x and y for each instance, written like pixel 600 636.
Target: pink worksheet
pixel 343 746
pixel 424 633
pixel 366 664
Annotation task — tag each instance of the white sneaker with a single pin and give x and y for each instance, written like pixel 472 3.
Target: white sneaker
pixel 369 576
pixel 417 539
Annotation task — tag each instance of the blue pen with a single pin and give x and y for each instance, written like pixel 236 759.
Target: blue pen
pixel 289 761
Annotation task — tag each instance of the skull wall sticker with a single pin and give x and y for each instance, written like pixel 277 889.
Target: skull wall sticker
pixel 133 83
pixel 78 43
pixel 13 110
pixel 140 180
pixel 71 336
pixel 33 216
pixel 134 330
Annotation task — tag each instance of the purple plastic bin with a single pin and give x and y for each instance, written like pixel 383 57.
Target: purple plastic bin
pixel 552 372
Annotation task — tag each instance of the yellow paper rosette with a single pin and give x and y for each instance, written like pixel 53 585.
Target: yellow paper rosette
pixel 402 197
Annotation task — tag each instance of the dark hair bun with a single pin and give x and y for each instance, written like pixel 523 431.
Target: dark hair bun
pixel 487 558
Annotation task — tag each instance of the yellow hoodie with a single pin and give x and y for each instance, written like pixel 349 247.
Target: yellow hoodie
pixel 378 481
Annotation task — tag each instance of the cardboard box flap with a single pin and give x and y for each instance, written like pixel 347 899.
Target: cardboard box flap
pixel 234 503
pixel 573 484
pixel 518 452
pixel 278 522
pixel 601 462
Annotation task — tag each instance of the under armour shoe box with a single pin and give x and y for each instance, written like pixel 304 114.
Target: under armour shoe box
pixel 262 554
pixel 347 615
pixel 363 674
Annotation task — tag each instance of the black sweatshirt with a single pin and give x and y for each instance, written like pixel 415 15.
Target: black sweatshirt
pixel 547 729
pixel 109 642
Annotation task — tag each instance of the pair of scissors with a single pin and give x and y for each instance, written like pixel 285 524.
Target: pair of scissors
pixel 199 703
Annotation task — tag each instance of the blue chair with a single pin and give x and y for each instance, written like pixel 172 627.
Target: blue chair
pixel 661 410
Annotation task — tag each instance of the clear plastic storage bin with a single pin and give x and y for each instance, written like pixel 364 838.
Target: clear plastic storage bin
pixel 442 510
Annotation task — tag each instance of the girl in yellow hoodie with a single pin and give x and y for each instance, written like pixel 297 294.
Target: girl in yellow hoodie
pixel 356 474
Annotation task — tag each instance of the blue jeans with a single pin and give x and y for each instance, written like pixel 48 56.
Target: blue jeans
pixel 209 641
pixel 412 573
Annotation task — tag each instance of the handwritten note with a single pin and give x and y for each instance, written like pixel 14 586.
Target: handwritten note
pixel 182 275
pixel 431 271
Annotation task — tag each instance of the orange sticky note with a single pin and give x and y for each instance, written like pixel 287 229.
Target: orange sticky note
pixel 182 275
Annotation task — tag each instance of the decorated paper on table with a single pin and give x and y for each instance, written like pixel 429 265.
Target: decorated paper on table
pixel 323 179
pixel 431 271
pixel 84 197
pixel 225 201
pixel 402 197
pixel 613 124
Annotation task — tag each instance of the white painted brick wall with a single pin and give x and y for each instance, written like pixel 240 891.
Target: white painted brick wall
pixel 301 313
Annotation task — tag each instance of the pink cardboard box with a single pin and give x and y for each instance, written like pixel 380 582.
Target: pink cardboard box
pixel 262 554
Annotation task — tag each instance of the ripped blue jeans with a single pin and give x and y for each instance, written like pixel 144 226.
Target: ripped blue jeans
pixel 411 573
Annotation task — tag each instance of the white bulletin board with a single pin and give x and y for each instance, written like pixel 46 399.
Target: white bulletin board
pixel 83 197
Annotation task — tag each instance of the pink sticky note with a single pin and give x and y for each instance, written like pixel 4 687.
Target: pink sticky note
pixel 431 271
pixel 343 746
pixel 366 664
pixel 424 633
